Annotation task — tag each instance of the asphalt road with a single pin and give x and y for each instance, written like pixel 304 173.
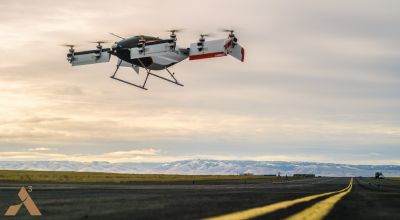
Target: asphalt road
pixel 365 198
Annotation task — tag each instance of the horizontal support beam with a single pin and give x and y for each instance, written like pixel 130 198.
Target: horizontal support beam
pixel 128 82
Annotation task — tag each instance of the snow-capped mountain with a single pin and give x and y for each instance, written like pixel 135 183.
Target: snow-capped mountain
pixel 208 167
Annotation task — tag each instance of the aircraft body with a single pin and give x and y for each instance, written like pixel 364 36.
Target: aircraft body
pixel 155 54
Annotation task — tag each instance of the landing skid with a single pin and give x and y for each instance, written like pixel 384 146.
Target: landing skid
pixel 149 73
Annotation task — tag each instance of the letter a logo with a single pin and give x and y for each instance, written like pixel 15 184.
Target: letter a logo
pixel 27 201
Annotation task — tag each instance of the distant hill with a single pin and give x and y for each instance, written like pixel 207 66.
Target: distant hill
pixel 208 167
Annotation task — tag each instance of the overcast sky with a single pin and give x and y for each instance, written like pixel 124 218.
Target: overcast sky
pixel 320 82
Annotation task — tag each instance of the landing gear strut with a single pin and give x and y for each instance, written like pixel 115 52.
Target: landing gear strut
pixel 173 80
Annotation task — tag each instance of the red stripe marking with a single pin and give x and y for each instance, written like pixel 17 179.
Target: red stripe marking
pixel 242 54
pixel 207 55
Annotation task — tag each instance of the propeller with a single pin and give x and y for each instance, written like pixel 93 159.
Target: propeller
pixel 230 31
pixel 173 31
pixel 227 30
pixel 202 36
pixel 67 45
pixel 70 56
pixel 71 47
pixel 205 35
pixel 99 46
pixel 100 42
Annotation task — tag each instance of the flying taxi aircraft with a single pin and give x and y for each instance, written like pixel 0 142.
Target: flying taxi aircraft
pixel 155 54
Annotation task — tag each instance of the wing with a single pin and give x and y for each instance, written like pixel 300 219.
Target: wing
pixel 89 57
pixel 216 48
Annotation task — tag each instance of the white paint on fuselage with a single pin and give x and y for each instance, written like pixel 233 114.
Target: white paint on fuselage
pixel 165 60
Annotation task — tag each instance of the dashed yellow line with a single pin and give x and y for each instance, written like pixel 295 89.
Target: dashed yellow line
pixel 321 209
pixel 259 211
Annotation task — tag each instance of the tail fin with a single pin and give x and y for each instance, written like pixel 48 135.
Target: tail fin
pixel 237 51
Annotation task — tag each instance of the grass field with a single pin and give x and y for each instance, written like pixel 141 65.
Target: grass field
pixel 92 177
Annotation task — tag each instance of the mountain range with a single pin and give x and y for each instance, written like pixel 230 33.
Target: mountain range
pixel 202 167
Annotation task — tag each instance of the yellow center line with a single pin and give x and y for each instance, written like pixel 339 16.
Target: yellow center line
pixel 322 208
pixel 263 210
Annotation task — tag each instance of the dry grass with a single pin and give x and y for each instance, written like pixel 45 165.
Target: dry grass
pixel 92 177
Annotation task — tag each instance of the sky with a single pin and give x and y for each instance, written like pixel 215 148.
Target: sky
pixel 320 83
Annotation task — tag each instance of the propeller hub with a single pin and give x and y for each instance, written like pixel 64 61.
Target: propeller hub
pixel 99 46
pixel 202 37
pixel 173 33
pixel 230 31
pixel 70 46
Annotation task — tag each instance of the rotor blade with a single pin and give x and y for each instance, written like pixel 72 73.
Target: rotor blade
pixel 99 42
pixel 67 45
pixel 117 36
pixel 207 35
pixel 176 30
pixel 226 30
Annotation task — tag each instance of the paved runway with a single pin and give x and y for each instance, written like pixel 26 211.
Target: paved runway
pixel 329 198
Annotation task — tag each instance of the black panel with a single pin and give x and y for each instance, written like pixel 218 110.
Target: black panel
pixel 147 61
pixel 159 42
pixel 89 52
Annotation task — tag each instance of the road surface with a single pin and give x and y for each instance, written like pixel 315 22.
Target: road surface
pixel 329 198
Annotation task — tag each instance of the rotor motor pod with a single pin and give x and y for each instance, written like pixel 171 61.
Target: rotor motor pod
pixel 172 44
pixel 200 44
pixel 99 47
pixel 231 35
pixel 71 52
pixel 142 45
pixel 173 37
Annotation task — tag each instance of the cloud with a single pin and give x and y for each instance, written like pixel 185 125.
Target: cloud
pixel 317 74
pixel 129 154
pixel 37 154
pixel 39 149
